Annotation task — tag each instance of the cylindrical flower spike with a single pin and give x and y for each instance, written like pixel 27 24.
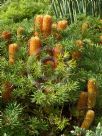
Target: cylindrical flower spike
pixel 79 43
pixel 54 26
pixel 6 35
pixel 7 93
pixel 76 55
pixel 88 119
pixel 62 25
pixel 82 102
pixel 92 92
pixel 100 38
pixel 34 45
pixel 20 31
pixel 57 51
pixel 38 23
pixel 49 61
pixel 47 25
pixel 85 26
pixel 12 50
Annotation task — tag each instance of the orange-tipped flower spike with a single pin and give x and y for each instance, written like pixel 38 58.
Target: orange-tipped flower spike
pixel 54 26
pixel 84 27
pixel 47 25
pixel 88 119
pixel 62 25
pixel 34 45
pixel 7 93
pixel 76 55
pixel 82 102
pixel 12 50
pixel 57 50
pixel 20 31
pixel 38 23
pixel 101 38
pixel 6 35
pixel 92 93
pixel 49 61
pixel 79 43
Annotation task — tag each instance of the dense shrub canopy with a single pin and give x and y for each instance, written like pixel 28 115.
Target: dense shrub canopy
pixel 40 94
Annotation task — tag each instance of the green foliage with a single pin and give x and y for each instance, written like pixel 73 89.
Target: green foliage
pixel 96 132
pixel 36 126
pixel 71 8
pixel 12 122
pixel 2 1
pixel 26 9
pixel 43 101
pixel 9 115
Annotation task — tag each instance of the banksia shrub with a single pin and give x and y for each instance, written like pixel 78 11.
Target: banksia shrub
pixel 47 82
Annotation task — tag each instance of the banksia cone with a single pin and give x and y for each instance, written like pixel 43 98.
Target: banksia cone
pixel 38 23
pixel 100 20
pixel 55 33
pixel 49 61
pixel 54 26
pixel 6 94
pixel 92 92
pixel 79 43
pixel 12 51
pixel 6 35
pixel 20 31
pixel 47 25
pixel 85 26
pixel 82 102
pixel 62 25
pixel 49 50
pixel 57 51
pixel 101 38
pixel 57 36
pixel 47 91
pixel 76 55
pixel 88 119
pixel 34 45
pixel 36 34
